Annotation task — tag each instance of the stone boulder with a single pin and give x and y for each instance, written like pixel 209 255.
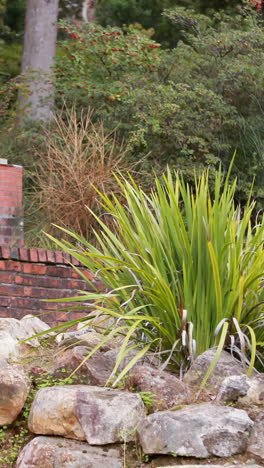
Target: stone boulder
pixel 165 390
pixel 98 323
pixel 198 431
pixel 226 366
pixel 256 446
pixel 34 325
pixel 97 369
pixel 94 371
pixel 246 391
pixel 98 415
pixel 50 452
pixel 213 466
pixel 255 393
pixel 8 347
pixel 24 329
pixel 14 389
pixel 232 388
pixel 88 338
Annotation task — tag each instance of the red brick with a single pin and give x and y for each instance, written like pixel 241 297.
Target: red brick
pixel 75 315
pixel 5 230
pixel 51 256
pixel 59 257
pixel 89 275
pixel 14 253
pixel 26 302
pixel 66 258
pixel 75 262
pixel 34 269
pixel 10 211
pixel 59 271
pixel 15 312
pixel 5 312
pixel 42 255
pixel 62 316
pixel 7 221
pixel 51 305
pixel 10 265
pixel 76 284
pixel 5 252
pixel 6 277
pixel 39 280
pixel 45 293
pixel 5 301
pixel 24 254
pixel 33 254
pixel 10 290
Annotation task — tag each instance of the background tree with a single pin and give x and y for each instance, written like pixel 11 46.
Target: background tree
pixel 38 55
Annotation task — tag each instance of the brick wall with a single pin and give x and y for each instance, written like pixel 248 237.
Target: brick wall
pixel 11 209
pixel 29 276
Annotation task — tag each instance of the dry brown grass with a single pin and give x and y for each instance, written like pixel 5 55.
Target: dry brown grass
pixel 78 156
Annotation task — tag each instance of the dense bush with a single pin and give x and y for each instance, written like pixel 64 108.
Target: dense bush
pixel 191 106
pixel 150 14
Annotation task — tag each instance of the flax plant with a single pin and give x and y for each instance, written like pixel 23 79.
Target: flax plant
pixel 183 270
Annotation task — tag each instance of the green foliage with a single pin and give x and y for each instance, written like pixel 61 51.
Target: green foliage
pixel 189 107
pixel 14 17
pixel 181 266
pixel 148 399
pixel 12 443
pixel 148 14
pixel 2 12
pixel 10 56
pixel 93 62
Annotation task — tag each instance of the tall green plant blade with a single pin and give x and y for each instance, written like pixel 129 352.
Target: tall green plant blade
pixel 217 355
pixel 181 247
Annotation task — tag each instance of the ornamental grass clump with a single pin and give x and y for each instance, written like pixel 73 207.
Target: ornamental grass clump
pixel 183 271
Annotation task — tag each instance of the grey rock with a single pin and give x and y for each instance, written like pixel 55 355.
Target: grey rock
pixel 165 389
pixel 14 389
pixel 256 446
pixel 226 366
pixel 212 466
pixel 51 452
pixel 233 388
pixel 87 337
pixel 97 369
pixel 24 329
pixel 255 393
pixel 246 391
pixel 99 322
pixel 98 415
pixel 34 325
pixel 196 431
pixel 94 371
pixel 8 346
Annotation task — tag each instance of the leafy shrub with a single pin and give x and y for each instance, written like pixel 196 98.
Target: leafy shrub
pixel 189 107
pixel 180 265
pixel 148 14
pixel 93 62
pixel 10 57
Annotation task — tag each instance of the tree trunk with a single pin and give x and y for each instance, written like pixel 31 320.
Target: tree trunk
pixel 38 57
pixel 88 11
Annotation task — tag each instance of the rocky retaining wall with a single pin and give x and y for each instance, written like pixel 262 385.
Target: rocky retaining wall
pixel 28 277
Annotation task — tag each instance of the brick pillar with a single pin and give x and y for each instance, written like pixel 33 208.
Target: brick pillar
pixel 11 207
